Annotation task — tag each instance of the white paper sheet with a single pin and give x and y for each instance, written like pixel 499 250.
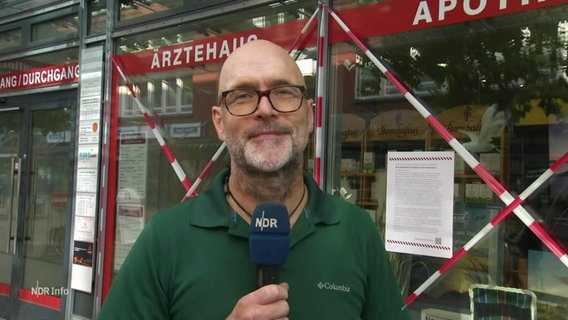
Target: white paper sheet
pixel 419 208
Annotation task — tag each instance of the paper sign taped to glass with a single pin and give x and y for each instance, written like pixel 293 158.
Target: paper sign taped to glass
pixel 419 204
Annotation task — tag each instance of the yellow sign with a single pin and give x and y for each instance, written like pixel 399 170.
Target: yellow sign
pixel 398 125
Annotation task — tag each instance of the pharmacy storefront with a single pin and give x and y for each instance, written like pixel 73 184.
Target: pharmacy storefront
pixel 446 120
pixel 482 81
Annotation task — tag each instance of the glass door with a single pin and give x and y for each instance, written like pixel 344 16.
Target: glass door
pixel 36 175
pixel 9 193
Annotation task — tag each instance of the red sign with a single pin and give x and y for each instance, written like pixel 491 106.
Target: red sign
pixel 393 16
pixel 203 51
pixel 48 76
pixel 386 17
pixel 58 200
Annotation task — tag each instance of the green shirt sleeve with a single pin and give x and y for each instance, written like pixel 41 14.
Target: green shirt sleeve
pixel 139 290
pixel 383 300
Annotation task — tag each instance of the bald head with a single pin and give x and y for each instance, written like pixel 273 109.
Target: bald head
pixel 259 64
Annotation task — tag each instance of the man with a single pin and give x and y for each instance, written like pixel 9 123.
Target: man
pixel 192 261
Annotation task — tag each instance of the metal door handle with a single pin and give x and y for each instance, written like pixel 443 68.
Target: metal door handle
pixel 15 188
pixel 27 238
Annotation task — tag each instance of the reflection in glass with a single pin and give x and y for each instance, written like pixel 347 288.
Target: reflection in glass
pixel 168 96
pixel 131 9
pixel 225 24
pixel 47 200
pixel 41 60
pixel 9 190
pixel 57 29
pixel 10 39
pixel 97 16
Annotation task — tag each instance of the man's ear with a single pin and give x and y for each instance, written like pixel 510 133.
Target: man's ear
pixel 218 122
pixel 311 114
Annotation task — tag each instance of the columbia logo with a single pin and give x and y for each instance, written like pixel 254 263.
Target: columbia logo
pixel 333 287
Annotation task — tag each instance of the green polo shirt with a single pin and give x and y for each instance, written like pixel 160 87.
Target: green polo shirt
pixel 192 261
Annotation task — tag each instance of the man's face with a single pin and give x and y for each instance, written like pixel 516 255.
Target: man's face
pixel 265 140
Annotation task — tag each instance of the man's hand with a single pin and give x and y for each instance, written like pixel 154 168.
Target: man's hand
pixel 266 303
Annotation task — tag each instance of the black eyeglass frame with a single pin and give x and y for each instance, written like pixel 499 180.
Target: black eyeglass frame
pixel 260 94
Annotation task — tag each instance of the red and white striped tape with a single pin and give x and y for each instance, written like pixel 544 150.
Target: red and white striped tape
pixel 318 137
pixel 481 171
pixel 191 192
pixel 303 33
pixel 485 230
pixel 157 134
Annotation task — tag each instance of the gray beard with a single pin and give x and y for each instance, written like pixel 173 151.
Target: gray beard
pixel 253 174
pixel 279 181
pixel 265 193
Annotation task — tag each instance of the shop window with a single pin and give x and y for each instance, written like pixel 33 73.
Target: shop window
pixel 65 28
pixel 164 97
pixel 175 97
pixel 130 9
pixel 59 57
pixel 370 84
pixel 97 17
pixel 175 73
pixel 508 73
pixel 127 102
pixel 10 39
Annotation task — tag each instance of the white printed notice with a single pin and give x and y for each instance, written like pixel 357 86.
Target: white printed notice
pixel 419 205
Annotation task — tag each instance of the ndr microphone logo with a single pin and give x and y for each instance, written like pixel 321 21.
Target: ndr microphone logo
pixel 262 222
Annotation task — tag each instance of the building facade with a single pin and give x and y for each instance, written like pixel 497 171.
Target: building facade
pixel 447 120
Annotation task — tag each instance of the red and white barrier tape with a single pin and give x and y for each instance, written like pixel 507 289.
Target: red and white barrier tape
pixel 318 137
pixel 157 134
pixel 191 192
pixel 303 33
pixel 485 230
pixel 481 171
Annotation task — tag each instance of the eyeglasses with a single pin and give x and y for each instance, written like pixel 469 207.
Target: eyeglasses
pixel 284 99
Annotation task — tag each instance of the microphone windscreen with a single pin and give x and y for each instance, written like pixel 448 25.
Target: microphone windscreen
pixel 269 234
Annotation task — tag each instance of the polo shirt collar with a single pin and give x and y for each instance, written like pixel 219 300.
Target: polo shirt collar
pixel 215 211
pixel 320 208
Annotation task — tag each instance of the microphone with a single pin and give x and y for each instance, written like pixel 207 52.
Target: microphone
pixel 269 240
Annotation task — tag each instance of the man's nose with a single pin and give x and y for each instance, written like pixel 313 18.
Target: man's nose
pixel 265 107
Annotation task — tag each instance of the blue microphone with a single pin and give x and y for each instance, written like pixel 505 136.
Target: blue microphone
pixel 269 240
